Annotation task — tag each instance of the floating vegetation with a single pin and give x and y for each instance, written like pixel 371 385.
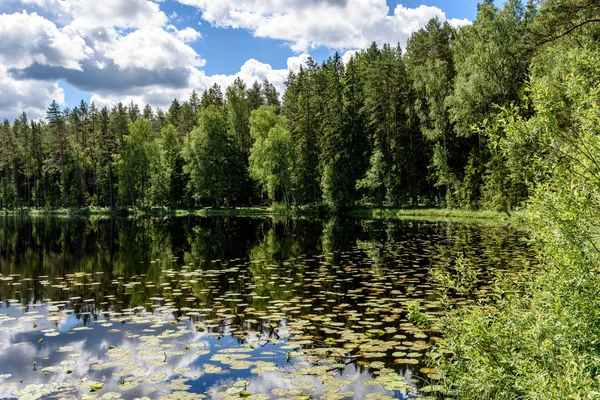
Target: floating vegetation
pixel 275 318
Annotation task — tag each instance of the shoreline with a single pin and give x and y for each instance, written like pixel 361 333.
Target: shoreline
pixel 481 216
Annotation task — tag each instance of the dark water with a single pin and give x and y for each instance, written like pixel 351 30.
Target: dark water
pixel 184 307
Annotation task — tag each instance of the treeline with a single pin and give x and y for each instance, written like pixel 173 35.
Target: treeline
pixel 388 128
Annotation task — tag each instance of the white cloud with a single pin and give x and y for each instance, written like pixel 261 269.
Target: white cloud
pixel 35 54
pixel 458 23
pixel 294 63
pixel 29 38
pixel 39 3
pixel 306 24
pixel 348 55
pixel 31 96
pixel 152 48
pixel 88 15
pixel 254 70
pixel 188 35
pixel 160 96
pixel 56 7
pixel 155 95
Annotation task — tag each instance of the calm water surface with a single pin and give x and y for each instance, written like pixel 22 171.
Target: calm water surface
pixel 224 308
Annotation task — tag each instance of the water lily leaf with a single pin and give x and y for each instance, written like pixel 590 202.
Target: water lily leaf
pixel 211 369
pixel 94 387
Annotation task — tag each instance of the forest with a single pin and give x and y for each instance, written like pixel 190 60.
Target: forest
pixel 387 128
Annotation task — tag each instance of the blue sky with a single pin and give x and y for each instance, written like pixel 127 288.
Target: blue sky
pixel 227 49
pixel 150 52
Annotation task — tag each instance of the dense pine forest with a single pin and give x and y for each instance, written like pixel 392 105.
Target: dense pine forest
pixel 390 127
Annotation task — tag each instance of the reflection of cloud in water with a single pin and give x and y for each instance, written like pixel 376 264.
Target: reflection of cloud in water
pixel 266 383
pixel 19 344
pixel 96 360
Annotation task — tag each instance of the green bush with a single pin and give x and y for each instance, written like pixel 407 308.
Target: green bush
pixel 543 342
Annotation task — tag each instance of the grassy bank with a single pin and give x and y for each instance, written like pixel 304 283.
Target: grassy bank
pixel 276 211
pixel 436 214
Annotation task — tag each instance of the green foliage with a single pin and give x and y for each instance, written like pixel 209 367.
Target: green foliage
pixel 303 105
pixel 432 72
pixel 165 169
pixel 238 115
pixel 210 156
pixel 482 80
pixel 540 342
pixel 373 182
pixel 8 195
pixel 134 163
pixel 337 183
pixel 460 277
pixel 272 154
pixel 416 316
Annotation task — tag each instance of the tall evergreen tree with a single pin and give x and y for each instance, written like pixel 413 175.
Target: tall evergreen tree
pixel 58 132
pixel 431 68
pixel 255 96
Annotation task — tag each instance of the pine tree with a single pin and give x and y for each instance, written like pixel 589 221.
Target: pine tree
pixel 195 103
pixel 304 129
pixel 255 96
pixel 431 67
pixel 269 93
pixel 57 126
pixel 334 143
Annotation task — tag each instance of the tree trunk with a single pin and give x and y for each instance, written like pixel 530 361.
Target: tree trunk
pixel 143 188
pixel 64 182
pixel 110 188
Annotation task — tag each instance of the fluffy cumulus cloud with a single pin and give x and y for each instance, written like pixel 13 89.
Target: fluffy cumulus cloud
pixel 152 48
pixel 130 13
pixel 161 96
pixel 130 50
pixel 116 49
pixel 457 23
pixel 187 34
pixel 27 95
pixel 305 24
pixel 254 70
pixel 28 38
pixel 88 15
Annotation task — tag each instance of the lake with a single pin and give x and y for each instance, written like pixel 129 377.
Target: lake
pixel 226 308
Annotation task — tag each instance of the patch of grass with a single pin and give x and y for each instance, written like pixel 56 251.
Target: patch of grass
pixel 428 214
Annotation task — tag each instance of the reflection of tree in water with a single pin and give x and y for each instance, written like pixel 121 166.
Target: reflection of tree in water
pixel 468 257
pixel 122 269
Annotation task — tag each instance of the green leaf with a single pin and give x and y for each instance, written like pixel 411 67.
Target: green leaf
pixel 96 387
